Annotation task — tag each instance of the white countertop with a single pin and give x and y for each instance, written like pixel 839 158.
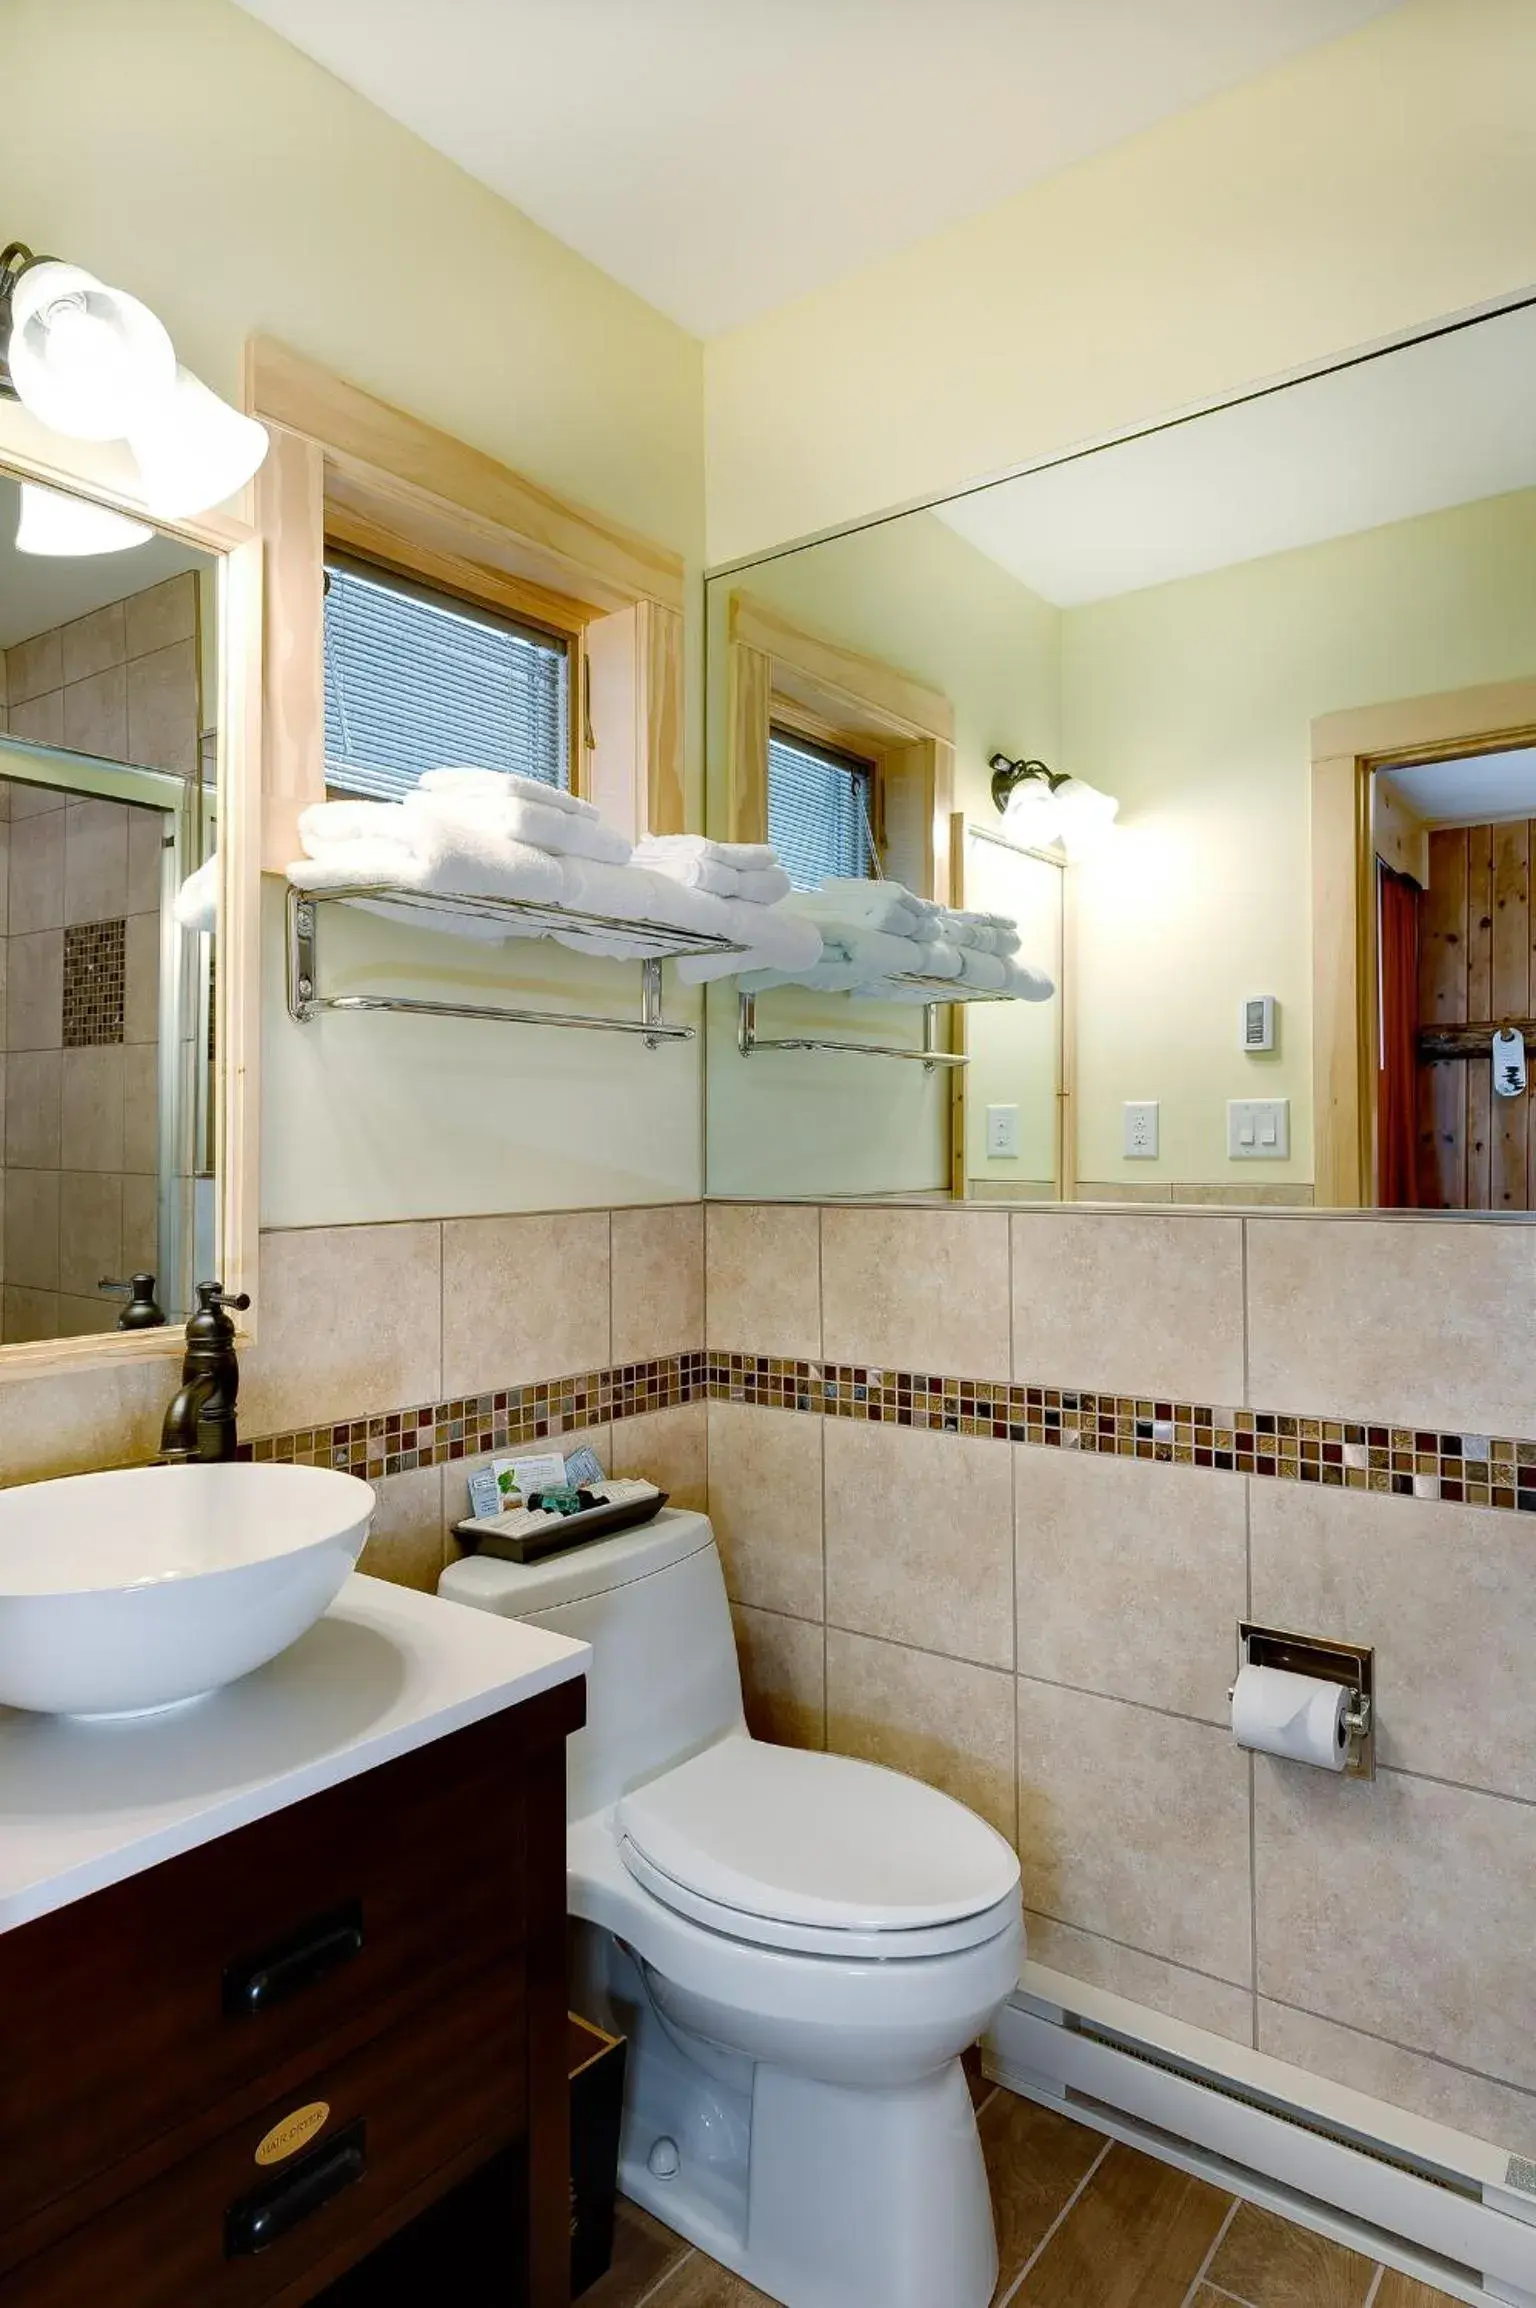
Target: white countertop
pixel 84 1805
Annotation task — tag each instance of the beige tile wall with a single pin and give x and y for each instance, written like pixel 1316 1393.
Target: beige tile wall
pixel 1052 1636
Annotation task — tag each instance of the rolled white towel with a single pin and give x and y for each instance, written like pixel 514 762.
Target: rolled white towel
pixel 196 904
pixel 515 819
pixel 1026 984
pixel 325 823
pixel 988 973
pixel 983 933
pixel 504 785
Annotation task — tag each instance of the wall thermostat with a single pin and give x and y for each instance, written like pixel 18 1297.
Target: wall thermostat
pixel 1257 1024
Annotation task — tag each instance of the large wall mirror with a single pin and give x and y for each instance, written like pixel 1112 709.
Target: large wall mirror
pixel 121 1149
pixel 1232 727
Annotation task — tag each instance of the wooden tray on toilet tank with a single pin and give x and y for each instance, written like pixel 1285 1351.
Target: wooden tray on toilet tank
pixel 520 1537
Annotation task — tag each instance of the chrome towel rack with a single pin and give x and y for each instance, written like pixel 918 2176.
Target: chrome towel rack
pixel 654 942
pixel 749 1041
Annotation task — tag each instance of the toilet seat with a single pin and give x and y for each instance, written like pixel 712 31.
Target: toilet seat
pixel 817 1854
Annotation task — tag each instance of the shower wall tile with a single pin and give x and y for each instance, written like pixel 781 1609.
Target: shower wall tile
pixel 1400 1907
pixel 1447 1597
pixel 31 667
pixel 1143 1304
pixel 1168 1988
pixel 941 1720
pixel 919 1534
pixel 763 1278
pixel 93 643
pixel 915 1289
pixel 96 714
pixel 1419 1323
pixel 161 614
pixel 1134 1825
pixel 1131 1577
pixel 35 879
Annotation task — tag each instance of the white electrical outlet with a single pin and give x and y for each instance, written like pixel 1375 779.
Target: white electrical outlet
pixel 1002 1130
pixel 1258 1129
pixel 1141 1129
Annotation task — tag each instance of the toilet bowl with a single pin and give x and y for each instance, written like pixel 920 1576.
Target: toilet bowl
pixel 798 1946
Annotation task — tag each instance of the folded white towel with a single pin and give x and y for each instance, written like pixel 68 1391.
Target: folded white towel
pixel 674 856
pixel 454 860
pixel 771 938
pixel 984 933
pixel 986 972
pixel 504 785
pixel 742 856
pixel 883 906
pixel 515 819
pixel 327 822
pixel 1026 984
pixel 630 893
pixel 196 904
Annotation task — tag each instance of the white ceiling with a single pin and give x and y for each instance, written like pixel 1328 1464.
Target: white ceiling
pixel 38 592
pixel 724 156
pixel 1435 424
pixel 1481 790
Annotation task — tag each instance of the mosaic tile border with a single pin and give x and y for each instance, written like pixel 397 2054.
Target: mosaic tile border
pixel 1346 1454
pixel 466 1426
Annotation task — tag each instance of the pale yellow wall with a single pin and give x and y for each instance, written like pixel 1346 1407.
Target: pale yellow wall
pixel 918 596
pixel 1193 703
pixel 1364 188
pixel 180 148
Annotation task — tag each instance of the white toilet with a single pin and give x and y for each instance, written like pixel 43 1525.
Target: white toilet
pixel 798 1947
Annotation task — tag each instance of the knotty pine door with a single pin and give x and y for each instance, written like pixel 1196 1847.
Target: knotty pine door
pixel 1476 1152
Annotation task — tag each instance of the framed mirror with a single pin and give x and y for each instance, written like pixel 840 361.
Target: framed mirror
pixel 1231 727
pixel 128 781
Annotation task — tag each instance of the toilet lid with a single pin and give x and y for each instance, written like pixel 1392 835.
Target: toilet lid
pixel 803 1839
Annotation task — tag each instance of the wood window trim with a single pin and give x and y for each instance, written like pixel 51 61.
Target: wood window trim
pixel 348 468
pixel 781 673
pixel 1347 748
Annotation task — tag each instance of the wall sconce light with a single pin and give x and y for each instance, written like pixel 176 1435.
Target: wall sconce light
pixel 1042 805
pixel 92 362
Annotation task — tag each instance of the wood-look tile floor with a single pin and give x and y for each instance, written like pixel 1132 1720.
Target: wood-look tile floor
pixel 1082 2222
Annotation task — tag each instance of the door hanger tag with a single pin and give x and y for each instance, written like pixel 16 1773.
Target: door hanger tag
pixel 1509 1063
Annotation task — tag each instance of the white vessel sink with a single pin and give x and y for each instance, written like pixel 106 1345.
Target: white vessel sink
pixel 122 1593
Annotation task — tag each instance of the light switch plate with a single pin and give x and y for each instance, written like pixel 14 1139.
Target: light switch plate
pixel 1258 1129
pixel 1002 1130
pixel 1140 1143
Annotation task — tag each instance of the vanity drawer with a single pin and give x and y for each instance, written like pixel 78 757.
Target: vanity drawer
pixel 434 2096
pixel 150 2016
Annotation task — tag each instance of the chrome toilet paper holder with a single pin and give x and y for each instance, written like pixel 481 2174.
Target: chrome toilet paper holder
pixel 1331 1662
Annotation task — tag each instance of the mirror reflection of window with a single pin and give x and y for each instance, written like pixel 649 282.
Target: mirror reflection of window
pixel 107 766
pixel 821 811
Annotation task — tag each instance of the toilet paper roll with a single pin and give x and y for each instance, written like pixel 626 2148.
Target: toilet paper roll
pixel 1298 1716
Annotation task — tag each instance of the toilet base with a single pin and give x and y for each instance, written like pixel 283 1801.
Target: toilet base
pixel 821 2195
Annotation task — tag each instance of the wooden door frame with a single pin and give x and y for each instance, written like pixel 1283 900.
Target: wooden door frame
pixel 1347 749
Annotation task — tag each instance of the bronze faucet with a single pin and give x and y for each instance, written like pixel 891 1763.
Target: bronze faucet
pixel 200 1423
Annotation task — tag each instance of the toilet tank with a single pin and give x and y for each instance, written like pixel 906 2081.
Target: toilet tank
pixel 664 1680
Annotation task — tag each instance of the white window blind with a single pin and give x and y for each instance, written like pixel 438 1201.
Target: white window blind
pixel 818 811
pixel 415 681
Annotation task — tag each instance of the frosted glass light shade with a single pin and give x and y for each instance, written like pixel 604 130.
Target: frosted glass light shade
pixel 193 449
pixel 86 359
pixel 1031 815
pixel 1085 816
pixel 53 523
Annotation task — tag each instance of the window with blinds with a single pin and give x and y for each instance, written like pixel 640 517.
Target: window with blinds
pixel 819 811
pixel 416 680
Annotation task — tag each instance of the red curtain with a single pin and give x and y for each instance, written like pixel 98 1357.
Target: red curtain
pixel 1397 1127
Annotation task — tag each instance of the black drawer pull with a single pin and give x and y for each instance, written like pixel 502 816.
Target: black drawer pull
pixel 296 1961
pixel 279 2204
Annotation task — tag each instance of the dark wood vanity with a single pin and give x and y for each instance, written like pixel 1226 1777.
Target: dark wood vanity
pixel 231 2076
